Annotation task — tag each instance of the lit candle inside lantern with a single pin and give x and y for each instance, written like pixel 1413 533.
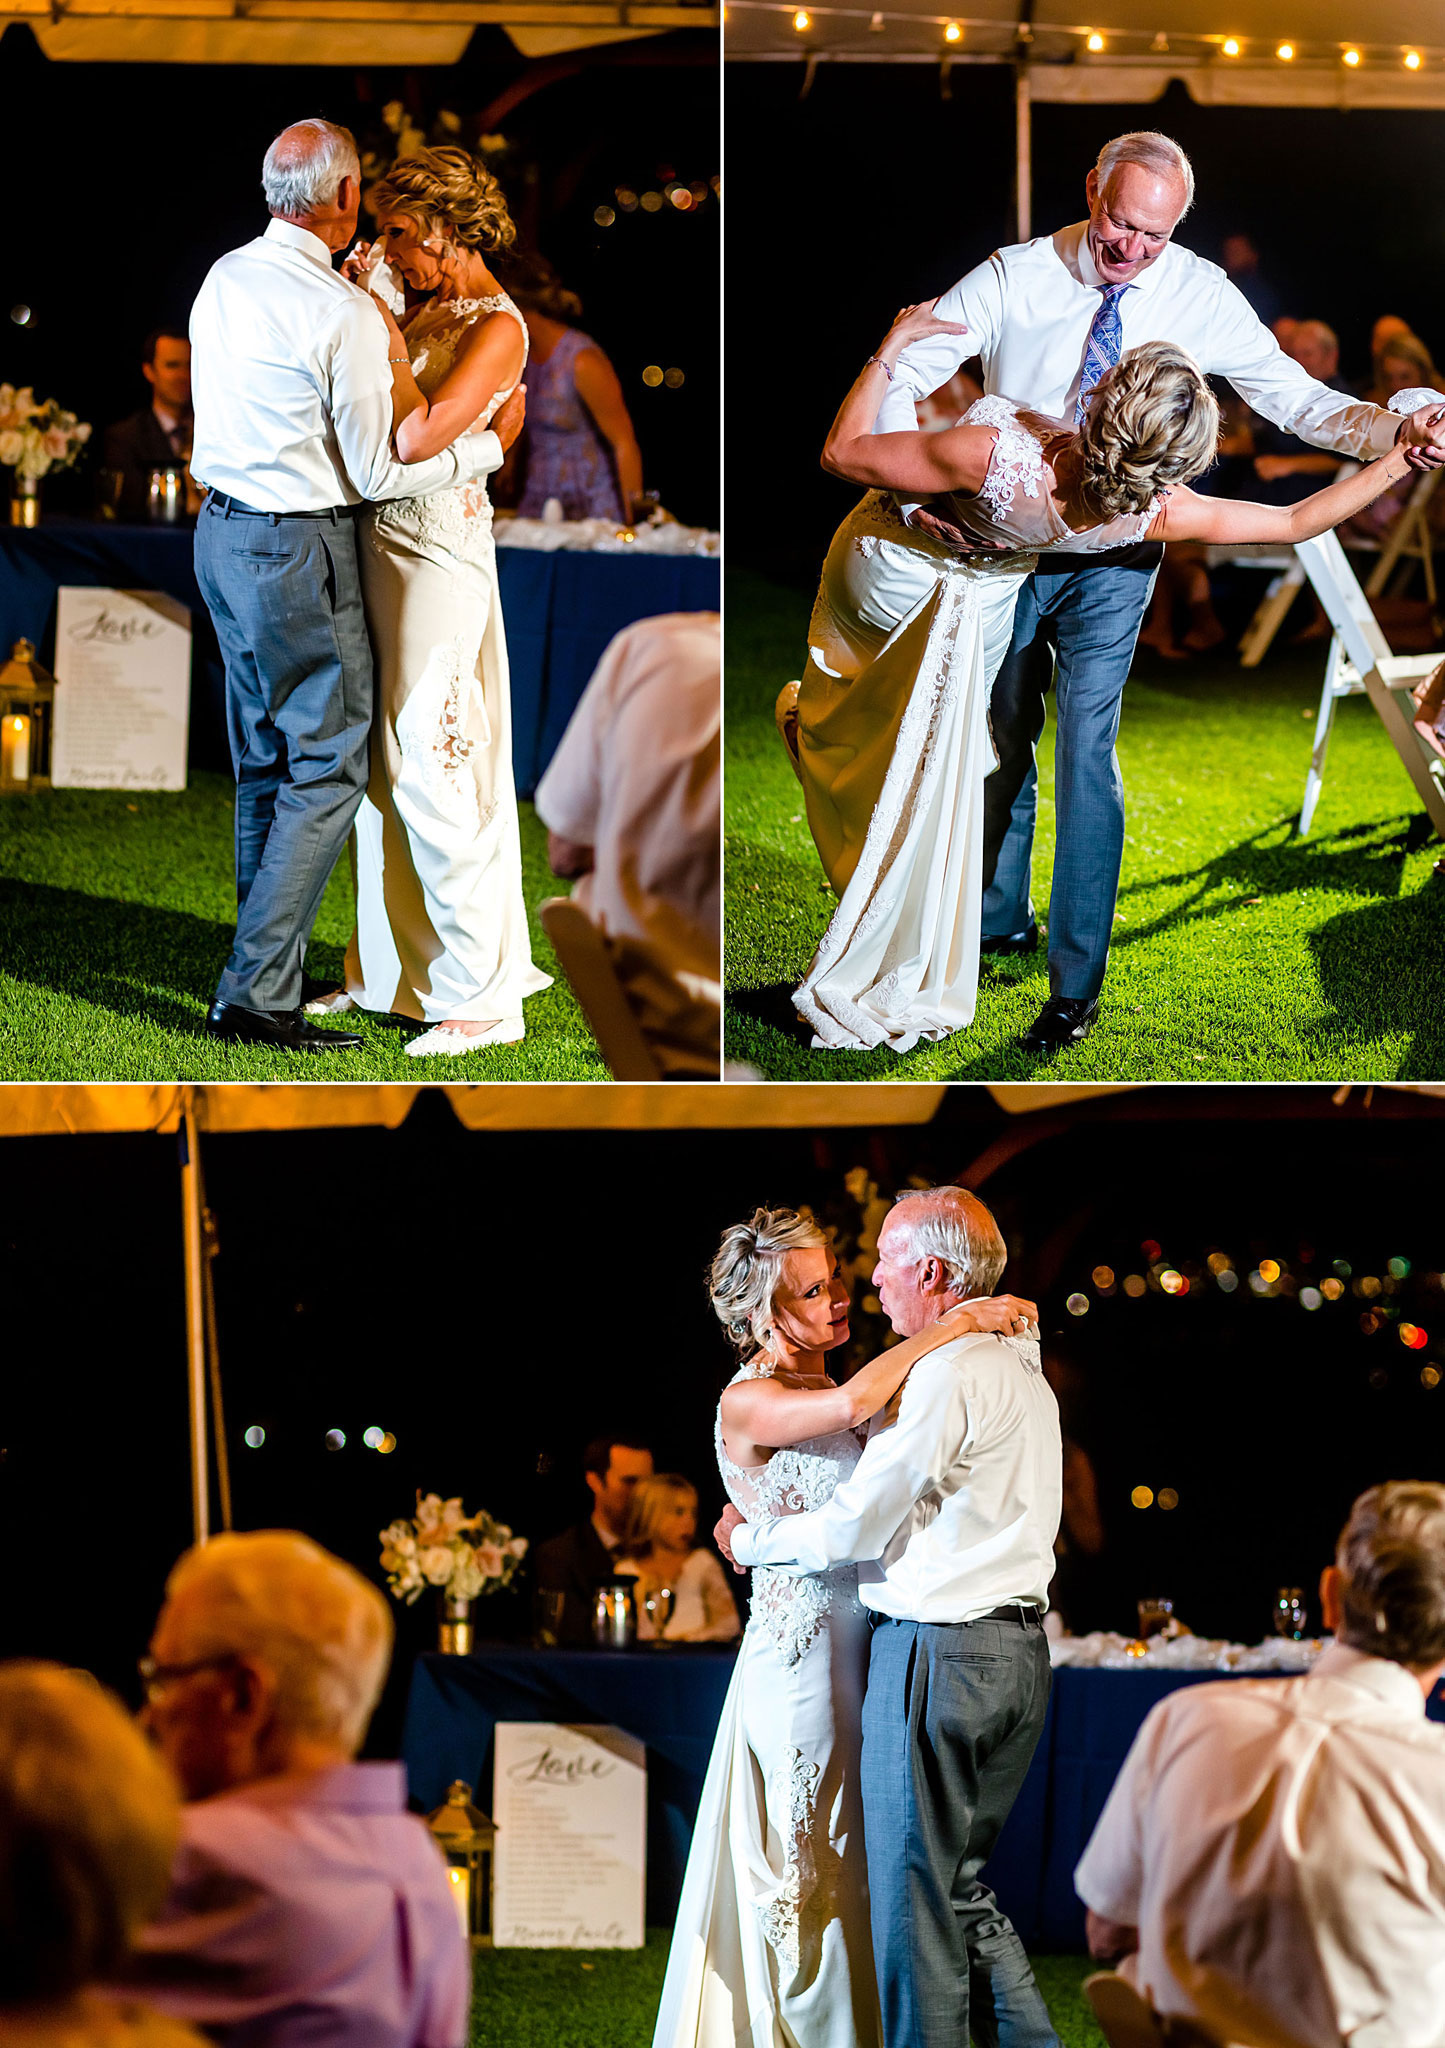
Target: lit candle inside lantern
pixel 462 1894
pixel 15 750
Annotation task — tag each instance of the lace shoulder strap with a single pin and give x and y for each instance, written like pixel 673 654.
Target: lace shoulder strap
pixel 1017 462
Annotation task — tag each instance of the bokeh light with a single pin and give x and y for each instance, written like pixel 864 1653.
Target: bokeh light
pixel 254 1438
pixel 1142 1497
pixel 1168 1498
pixel 1077 1304
pixel 1135 1285
pixel 336 1439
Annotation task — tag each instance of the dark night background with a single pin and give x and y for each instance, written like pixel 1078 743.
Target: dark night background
pixel 145 174
pixel 497 1298
pixel 875 192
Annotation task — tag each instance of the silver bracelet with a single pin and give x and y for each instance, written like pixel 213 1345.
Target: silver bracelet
pixel 886 368
pixel 400 359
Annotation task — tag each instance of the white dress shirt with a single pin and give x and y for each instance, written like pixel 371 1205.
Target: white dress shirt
pixel 952 1509
pixel 637 778
pixel 291 386
pixel 1280 1846
pixel 1029 309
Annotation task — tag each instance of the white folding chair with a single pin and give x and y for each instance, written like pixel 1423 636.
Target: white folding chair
pixel 1405 541
pixel 1128 2021
pixel 1281 591
pixel 582 952
pixel 1360 661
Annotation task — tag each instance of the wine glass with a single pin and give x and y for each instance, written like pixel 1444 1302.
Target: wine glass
pixel 549 1608
pixel 658 1603
pixel 1290 1614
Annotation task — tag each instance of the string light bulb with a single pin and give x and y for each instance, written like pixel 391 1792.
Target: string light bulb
pixel 1413 60
pixel 802 21
pixel 1352 58
pixel 1095 41
pixel 1285 52
pixel 953 33
pixel 1231 46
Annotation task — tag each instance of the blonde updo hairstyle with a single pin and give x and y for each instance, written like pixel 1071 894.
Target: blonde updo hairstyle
pixel 449 193
pixel 1152 422
pixel 744 1276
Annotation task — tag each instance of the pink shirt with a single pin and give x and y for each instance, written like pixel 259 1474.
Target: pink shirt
pixel 311 1909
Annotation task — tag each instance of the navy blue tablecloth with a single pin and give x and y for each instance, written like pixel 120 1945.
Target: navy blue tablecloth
pixel 669 1699
pixel 674 1706
pixel 560 612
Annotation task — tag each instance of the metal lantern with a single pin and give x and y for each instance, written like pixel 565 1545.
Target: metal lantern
pixel 27 706
pixel 468 1840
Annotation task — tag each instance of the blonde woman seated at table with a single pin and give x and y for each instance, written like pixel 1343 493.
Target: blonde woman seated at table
pixel 658 1550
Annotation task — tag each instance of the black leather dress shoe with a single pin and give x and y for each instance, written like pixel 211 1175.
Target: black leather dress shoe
pixel 1062 1022
pixel 1012 942
pixel 287 1030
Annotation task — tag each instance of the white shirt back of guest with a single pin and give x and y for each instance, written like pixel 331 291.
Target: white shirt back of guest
pixel 1280 1846
pixel 637 778
pixel 282 348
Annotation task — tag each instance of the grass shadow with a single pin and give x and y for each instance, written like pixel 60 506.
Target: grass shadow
pixel 127 958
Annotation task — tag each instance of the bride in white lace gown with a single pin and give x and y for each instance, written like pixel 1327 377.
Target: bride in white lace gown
pixel 771 1946
pixel 441 926
pixel 889 728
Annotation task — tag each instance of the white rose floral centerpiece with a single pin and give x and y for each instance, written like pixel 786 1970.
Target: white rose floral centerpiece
pixel 36 436
pixel 463 1556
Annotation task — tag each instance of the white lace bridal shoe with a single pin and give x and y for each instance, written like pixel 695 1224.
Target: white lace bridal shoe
pixel 509 1031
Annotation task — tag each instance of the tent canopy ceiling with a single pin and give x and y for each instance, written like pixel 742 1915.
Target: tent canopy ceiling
pixel 1145 45
pixel 347 32
pixel 28 1111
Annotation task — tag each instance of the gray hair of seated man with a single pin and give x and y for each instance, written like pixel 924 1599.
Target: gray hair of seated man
pixel 953 1226
pixel 89 1816
pixel 744 1276
pixel 1391 1558
pixel 305 165
pixel 1152 152
pixel 323 1631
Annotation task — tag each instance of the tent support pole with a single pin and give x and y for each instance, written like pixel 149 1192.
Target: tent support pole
pixel 195 1315
pixel 1023 146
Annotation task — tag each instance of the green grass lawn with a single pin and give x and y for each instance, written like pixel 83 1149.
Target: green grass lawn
pixel 117 912
pixel 1240 952
pixel 562 1998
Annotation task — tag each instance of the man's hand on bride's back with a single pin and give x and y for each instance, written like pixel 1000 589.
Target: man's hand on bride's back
pixel 507 421
pixel 722 1535
pixel 1008 1315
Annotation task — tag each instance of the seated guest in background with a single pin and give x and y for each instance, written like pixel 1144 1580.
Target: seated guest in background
pixel 1402 362
pixel 1271 1861
pixel 1387 329
pixel 88 1824
pixel 580 1560
pixel 1287 469
pixel 658 1550
pixel 306 1903
pixel 632 802
pixel 578 445
pixel 1241 265
pixel 159 435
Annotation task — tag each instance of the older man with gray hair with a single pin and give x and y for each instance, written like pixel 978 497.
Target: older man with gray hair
pixel 951 1515
pixel 306 1903
pixel 1270 1865
pixel 1050 318
pixel 292 388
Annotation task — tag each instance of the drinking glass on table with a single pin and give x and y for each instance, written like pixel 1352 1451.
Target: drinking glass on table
pixel 1290 1614
pixel 657 1604
pixel 1154 1618
pixel 548 1614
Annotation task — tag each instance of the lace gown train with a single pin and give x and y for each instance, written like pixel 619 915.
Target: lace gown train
pixel 905 642
pixel 441 927
pixel 771 1947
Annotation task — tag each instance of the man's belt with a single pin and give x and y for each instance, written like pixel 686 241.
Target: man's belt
pixel 1025 1615
pixel 229 505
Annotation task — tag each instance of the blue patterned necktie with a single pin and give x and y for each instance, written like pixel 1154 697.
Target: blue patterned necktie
pixel 1102 350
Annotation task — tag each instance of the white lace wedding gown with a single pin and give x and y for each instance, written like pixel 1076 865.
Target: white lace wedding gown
pixel 771 1948
pixel 441 927
pixel 893 743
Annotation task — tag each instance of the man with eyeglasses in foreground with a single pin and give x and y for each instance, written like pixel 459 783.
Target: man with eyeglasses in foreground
pixel 1050 319
pixel 306 1903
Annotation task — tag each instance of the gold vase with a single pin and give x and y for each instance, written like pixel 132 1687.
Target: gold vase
pixel 456 1629
pixel 25 501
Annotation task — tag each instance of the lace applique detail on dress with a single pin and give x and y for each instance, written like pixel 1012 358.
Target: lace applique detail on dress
pixel 431 730
pixel 797 1779
pixel 792 1607
pixel 1017 462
